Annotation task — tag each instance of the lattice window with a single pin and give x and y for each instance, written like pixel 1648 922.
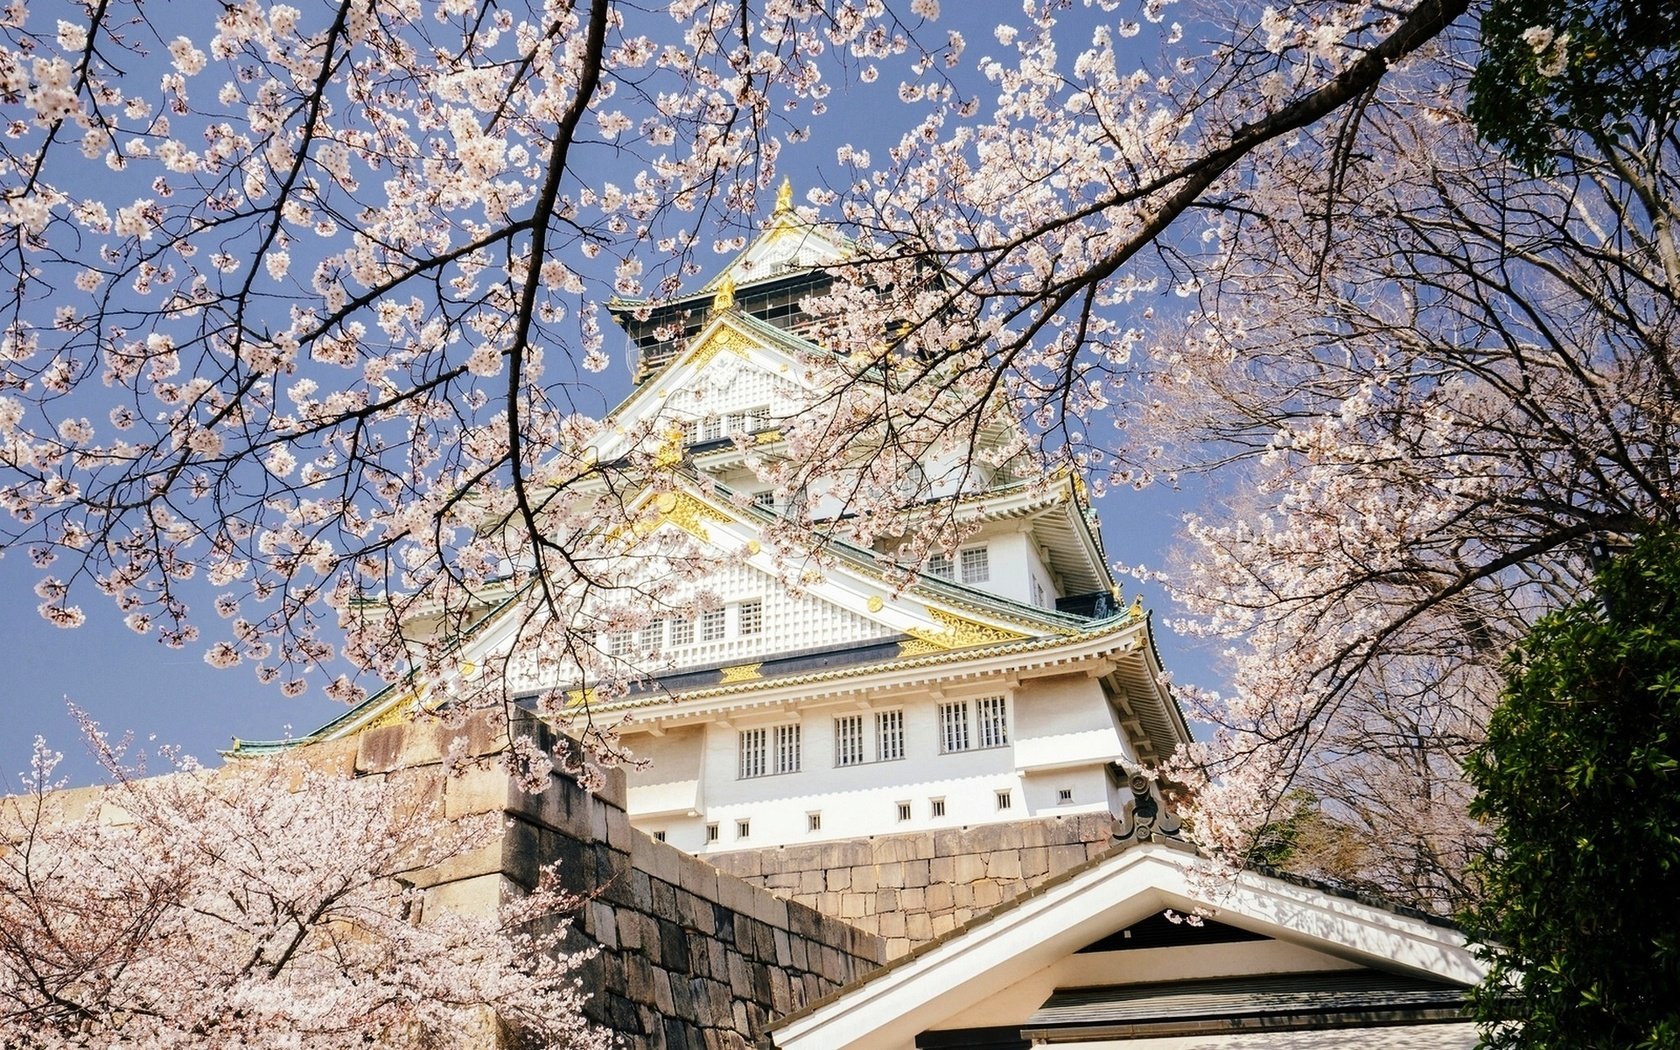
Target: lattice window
pixel 1004 800
pixel 621 643
pixel 848 740
pixel 751 617
pixel 713 625
pixel 743 828
pixel 936 806
pixel 976 565
pixel 993 719
pixel 889 736
pixel 711 428
pixel 903 811
pixel 765 499
pixel 652 634
pixel 953 727
pixel 939 565
pixel 682 632
pixel 755 753
pixel 787 749
pixel 813 822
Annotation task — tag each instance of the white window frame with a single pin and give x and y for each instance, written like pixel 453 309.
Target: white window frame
pixel 939 564
pixel 954 735
pixel 714 625
pixel 975 564
pixel 904 811
pixel 651 636
pixel 754 753
pixel 682 632
pixel 889 735
pixel 848 741
pixel 1005 799
pixel 991 722
pixel 749 618
pixel 787 748
pixel 936 807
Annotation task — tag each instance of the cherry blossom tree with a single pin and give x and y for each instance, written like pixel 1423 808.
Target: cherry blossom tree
pixel 263 905
pixel 1423 379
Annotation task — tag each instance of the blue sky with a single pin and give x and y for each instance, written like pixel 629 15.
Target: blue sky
pixel 130 682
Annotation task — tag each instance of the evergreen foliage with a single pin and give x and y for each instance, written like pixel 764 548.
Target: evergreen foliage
pixel 1581 774
pixel 1598 67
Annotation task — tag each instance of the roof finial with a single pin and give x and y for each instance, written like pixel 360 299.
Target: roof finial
pixel 784 196
pixel 725 296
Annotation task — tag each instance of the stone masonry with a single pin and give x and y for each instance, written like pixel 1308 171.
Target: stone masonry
pixel 911 888
pixel 690 958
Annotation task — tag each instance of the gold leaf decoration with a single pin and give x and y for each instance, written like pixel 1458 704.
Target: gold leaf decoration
pixel 742 673
pixel 957 632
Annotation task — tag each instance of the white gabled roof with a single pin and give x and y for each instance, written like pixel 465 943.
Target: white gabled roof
pixel 978 962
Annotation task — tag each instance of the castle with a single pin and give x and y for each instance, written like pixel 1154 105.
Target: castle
pixel 938 769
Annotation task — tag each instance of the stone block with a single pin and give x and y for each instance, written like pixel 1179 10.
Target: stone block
pixel 479 896
pixel 1035 862
pixel 335 757
pixel 1004 865
pixel 1064 857
pixel 940 869
pixel 940 897
pixel 811 882
pixel 770 910
pixel 913 899
pixel 898 946
pixel 477 789
pixel 865 879
pixel 485 860
pixel 969 866
pixel 923 927
pixel 987 894
pixel 698 877
pixel 892 924
pixel 839 879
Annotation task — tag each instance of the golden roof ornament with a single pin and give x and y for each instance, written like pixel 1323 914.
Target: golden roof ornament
pixel 784 197
pixel 725 297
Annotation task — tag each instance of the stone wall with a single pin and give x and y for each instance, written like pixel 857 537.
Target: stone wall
pixel 689 957
pixel 911 888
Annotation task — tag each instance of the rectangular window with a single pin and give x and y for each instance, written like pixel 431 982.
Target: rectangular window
pixel 848 740
pixel 682 632
pixel 755 750
pixel 1064 795
pixel 752 617
pixel 787 749
pixel 712 625
pixel 765 499
pixel 651 636
pixel 993 720
pixel 936 806
pixel 1038 593
pixel 711 832
pixel 889 736
pixel 813 822
pixel 757 418
pixel 904 811
pixel 976 565
pixel 953 726
pixel 659 836
pixel 621 643
pixel 711 429
pixel 743 828
pixel 939 565
pixel 1003 800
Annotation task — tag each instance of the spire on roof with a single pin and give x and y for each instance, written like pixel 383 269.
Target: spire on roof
pixel 724 299
pixel 784 197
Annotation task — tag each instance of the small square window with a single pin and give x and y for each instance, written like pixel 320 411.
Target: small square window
pixel 813 822
pixel 659 836
pixel 976 565
pixel 1003 800
pixel 1064 795
pixel 904 811
pixel 937 807
pixel 712 625
pixel 939 565
pixel 765 499
pixel 752 617
pixel 743 828
pixel 711 832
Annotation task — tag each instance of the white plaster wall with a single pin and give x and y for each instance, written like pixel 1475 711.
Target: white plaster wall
pixel 860 800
